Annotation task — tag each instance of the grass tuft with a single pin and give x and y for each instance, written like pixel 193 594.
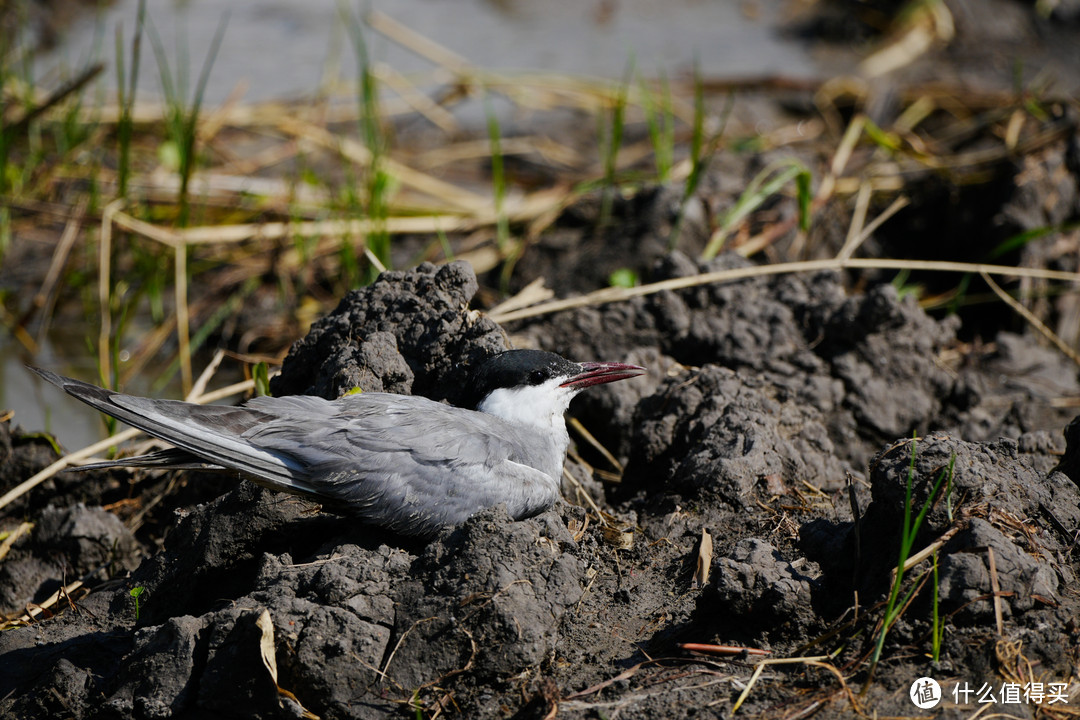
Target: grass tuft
pixel 908 533
pixel 181 118
pixel 610 142
pixel 378 181
pixel 765 184
pixel 498 178
pixel 125 125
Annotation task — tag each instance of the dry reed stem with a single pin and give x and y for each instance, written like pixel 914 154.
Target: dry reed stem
pixel 1030 317
pixel 120 437
pixel 616 294
pixel 183 326
pixel 223 188
pixel 13 537
pixel 858 221
pixel 535 205
pixel 64 462
pixel 531 294
pixel 995 589
pixel 46 296
pixel 325 228
pixel 418 101
pixel 165 236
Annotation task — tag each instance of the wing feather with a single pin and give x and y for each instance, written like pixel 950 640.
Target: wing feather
pixel 404 462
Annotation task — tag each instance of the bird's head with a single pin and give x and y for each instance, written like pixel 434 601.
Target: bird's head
pixel 536 387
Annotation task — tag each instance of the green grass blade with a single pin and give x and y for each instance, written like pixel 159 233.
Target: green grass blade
pixel 611 143
pixel 498 177
pixel 764 185
pixel 126 100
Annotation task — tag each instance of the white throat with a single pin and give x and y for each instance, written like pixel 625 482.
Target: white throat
pixel 536 406
pixel 540 410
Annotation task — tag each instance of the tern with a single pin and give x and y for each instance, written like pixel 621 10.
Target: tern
pixel 401 462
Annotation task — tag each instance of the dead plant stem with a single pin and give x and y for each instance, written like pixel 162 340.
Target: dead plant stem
pixel 616 294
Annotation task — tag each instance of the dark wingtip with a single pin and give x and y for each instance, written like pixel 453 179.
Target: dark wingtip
pixel 76 388
pixel 48 375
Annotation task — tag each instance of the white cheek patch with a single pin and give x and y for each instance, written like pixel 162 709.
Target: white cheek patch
pixel 531 404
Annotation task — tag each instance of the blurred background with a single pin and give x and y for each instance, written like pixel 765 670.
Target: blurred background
pixel 166 150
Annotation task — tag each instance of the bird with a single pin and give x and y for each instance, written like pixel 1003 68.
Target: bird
pixel 404 463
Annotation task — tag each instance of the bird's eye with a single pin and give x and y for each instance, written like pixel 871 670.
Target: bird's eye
pixel 537 377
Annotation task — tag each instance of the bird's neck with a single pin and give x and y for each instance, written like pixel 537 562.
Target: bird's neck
pixel 537 406
pixel 541 415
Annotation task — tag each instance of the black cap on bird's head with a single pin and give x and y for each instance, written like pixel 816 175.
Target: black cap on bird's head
pixel 524 368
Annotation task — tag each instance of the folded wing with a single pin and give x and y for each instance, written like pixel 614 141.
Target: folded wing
pixel 405 463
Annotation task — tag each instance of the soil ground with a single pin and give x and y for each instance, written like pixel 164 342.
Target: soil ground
pixel 758 483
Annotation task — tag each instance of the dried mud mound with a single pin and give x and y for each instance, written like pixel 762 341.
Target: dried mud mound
pixel 409 332
pixel 764 397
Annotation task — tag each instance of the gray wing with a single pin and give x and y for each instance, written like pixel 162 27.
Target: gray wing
pixel 406 463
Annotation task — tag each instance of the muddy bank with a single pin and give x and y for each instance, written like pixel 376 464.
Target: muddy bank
pixel 775 427
pixel 764 397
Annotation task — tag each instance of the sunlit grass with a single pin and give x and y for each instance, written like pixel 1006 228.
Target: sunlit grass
pixel 181 116
pixel 125 126
pixel 909 531
pixel 765 185
pixel 498 177
pixel 378 182
pixel 348 195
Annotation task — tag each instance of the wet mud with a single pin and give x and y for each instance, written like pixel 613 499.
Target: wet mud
pixel 787 430
pixel 777 417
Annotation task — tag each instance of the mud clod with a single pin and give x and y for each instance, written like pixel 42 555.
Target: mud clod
pixel 755 582
pixel 777 410
pixel 408 332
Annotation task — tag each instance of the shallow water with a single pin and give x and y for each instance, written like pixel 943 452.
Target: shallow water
pixel 40 406
pixel 283 49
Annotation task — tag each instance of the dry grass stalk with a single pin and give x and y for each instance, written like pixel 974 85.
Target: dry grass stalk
pixel 418 101
pixel 588 437
pixel 616 294
pixel 32 611
pixel 46 296
pixel 183 322
pixel 13 537
pixel 73 458
pixel 423 46
pixel 1031 318
pixel 816 661
pixel 995 589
